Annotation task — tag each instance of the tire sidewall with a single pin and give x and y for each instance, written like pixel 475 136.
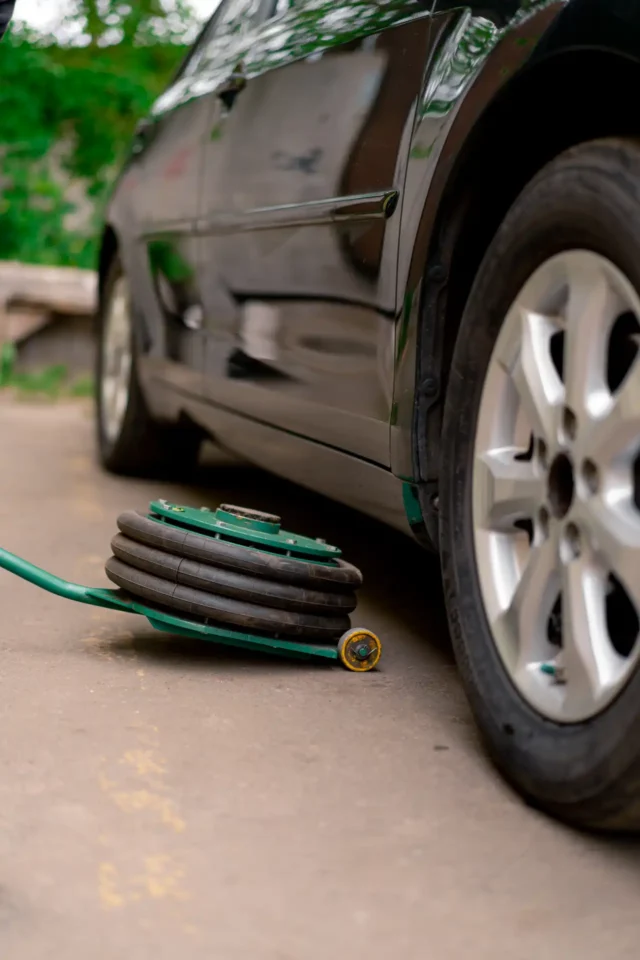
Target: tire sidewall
pixel 589 199
pixel 108 447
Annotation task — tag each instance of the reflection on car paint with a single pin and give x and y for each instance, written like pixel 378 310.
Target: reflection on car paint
pixel 259 330
pixel 313 219
pixel 176 283
pixel 468 46
pixel 319 197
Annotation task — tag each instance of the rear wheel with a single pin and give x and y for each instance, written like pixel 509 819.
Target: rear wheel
pixel 130 441
pixel 541 490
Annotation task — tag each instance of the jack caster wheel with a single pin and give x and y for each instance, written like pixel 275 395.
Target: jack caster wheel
pixel 359 650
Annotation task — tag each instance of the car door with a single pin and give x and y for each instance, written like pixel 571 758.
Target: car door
pixel 299 223
pixel 167 171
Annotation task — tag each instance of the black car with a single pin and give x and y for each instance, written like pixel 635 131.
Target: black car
pixel 390 249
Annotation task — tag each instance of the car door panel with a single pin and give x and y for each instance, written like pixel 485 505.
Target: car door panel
pixel 166 168
pixel 299 239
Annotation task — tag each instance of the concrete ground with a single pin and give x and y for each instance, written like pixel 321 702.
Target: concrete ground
pixel 160 799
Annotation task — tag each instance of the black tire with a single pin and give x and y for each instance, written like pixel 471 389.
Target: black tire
pixel 226 583
pixel 143 447
pixel 585 773
pixel 338 577
pixel 248 616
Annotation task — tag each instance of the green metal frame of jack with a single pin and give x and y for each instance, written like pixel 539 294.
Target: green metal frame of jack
pixel 159 620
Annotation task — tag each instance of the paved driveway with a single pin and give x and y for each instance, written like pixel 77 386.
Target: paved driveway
pixel 160 799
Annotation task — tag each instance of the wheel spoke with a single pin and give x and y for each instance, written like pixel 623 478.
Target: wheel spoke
pixel 508 489
pixel 522 627
pixel 108 391
pixel 590 663
pixel 535 378
pixel 616 534
pixel 590 311
pixel 116 362
pixel 617 433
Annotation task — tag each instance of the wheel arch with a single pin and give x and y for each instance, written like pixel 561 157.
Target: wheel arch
pixel 563 99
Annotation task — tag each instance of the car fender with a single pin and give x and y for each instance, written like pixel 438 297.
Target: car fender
pixel 476 60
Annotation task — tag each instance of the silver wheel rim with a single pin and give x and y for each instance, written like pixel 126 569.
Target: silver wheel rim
pixel 117 360
pixel 555 487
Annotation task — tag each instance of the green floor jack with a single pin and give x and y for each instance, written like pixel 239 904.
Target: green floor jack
pixel 233 577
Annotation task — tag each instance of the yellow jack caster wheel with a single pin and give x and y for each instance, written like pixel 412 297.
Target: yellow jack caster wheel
pixel 359 650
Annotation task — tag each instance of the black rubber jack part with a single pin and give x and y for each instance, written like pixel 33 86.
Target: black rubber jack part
pixel 259 563
pixel 248 616
pixel 228 583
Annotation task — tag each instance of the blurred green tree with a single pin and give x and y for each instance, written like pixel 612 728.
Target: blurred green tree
pixel 68 106
pixel 141 21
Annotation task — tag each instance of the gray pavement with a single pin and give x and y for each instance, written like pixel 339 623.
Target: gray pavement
pixel 161 799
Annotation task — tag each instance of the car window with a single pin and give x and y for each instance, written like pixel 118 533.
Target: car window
pixel 237 15
pixel 235 19
pixel 227 15
pixel 192 61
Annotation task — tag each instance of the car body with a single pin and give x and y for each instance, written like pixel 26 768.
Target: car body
pixel 312 228
pixel 305 211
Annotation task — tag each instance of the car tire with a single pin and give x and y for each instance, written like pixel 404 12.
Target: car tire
pixel 584 769
pixel 130 441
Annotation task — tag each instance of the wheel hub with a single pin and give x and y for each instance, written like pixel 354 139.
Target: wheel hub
pixel 555 488
pixel 561 486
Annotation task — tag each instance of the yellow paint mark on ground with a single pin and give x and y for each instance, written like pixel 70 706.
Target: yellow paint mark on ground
pixel 138 801
pixel 144 762
pixel 110 896
pixel 162 879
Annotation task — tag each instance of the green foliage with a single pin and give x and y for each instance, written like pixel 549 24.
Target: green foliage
pixel 7 361
pixel 82 387
pixel 51 382
pixel 67 113
pixel 143 22
pixel 48 382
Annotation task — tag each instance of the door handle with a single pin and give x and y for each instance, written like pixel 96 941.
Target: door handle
pixel 231 87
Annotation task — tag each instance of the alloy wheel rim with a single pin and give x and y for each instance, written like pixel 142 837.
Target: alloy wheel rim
pixel 117 361
pixel 556 487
